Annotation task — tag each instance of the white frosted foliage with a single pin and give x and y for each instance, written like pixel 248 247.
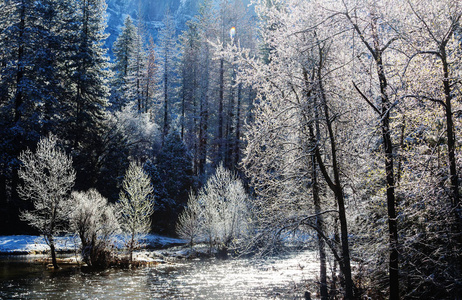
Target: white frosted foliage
pixel 48 177
pixel 136 204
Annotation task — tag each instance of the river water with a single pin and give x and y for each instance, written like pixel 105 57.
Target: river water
pixel 284 277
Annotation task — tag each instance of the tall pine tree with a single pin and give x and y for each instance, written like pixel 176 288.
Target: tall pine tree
pixel 88 66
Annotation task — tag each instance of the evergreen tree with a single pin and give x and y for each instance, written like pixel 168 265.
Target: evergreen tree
pixel 149 80
pixel 168 56
pixel 32 69
pixel 190 46
pixel 174 163
pixel 136 73
pixel 88 66
pixel 136 205
pixel 175 167
pixel 162 216
pixel 123 49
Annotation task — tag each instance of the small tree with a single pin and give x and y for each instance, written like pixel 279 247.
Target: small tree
pixel 226 208
pixel 48 177
pixel 188 226
pixel 220 212
pixel 95 221
pixel 136 205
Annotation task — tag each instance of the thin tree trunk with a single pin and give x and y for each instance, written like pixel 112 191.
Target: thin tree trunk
pixel 389 171
pixel 229 138
pixel 54 261
pixel 315 189
pixel 183 104
pixel 220 112
pixel 18 99
pixel 338 192
pixel 204 116
pixel 376 51
pixel 165 129
pixel 236 151
pixel 320 225
pixel 450 130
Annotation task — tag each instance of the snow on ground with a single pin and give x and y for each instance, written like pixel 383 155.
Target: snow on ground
pixel 30 244
pixel 25 244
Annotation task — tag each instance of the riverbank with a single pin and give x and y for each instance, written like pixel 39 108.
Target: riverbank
pixel 31 244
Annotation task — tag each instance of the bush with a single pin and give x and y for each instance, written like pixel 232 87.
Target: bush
pixel 95 221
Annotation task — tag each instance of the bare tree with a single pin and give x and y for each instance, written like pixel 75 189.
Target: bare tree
pixel 47 179
pixel 136 205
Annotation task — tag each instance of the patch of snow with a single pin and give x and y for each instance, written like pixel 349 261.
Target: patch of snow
pixel 24 244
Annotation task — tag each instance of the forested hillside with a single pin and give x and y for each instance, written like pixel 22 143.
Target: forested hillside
pixel 341 119
pixel 149 13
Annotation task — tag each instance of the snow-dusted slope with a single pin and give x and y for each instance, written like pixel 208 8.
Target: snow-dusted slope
pixel 150 12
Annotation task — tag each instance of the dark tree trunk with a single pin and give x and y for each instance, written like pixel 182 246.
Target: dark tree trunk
pixel 183 103
pixel 18 99
pixel 204 116
pixel 336 187
pixel 54 262
pixel 236 151
pixel 166 122
pixel 315 188
pixel 389 171
pixel 230 124
pixel 220 113
pixel 450 129
pixel 320 226
pixel 376 51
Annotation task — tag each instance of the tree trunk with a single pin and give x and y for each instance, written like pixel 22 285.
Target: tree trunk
pixel 376 51
pixel 450 130
pixel 338 192
pixel 165 127
pixel 315 189
pixel 230 130
pixel 54 262
pixel 236 154
pixel 220 113
pixel 389 173
pixel 320 225
pixel 18 99
pixel 204 116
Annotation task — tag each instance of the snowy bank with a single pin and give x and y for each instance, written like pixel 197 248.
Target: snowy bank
pixel 32 244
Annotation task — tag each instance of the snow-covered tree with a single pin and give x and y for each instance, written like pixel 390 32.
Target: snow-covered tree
pixel 141 134
pixel 220 213
pixel 47 179
pixel 297 115
pixel 123 49
pixel 135 205
pixel 168 56
pixel 88 91
pixel 188 225
pixel 96 223
pixel 227 209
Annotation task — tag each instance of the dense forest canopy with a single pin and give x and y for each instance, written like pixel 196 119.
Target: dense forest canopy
pixel 340 118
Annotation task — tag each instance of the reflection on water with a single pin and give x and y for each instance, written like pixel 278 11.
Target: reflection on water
pixel 208 279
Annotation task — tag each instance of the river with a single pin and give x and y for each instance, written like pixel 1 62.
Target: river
pixel 284 277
